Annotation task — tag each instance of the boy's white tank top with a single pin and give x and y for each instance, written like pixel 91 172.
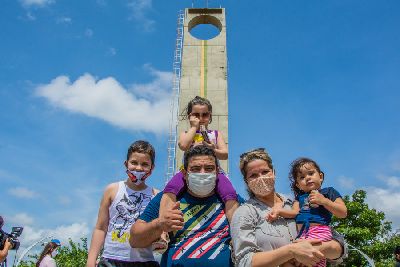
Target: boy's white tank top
pixel 124 211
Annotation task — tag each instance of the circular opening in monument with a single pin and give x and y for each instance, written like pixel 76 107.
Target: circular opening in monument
pixel 204 27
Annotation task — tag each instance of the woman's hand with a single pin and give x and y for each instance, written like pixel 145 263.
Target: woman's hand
pixel 304 252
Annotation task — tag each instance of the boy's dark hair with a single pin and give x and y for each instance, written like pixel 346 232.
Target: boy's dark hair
pixel 295 167
pixel 199 150
pixel 143 147
pixel 197 101
pixel 397 250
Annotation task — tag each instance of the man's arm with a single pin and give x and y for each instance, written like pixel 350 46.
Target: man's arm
pixel 100 230
pixel 144 233
pixel 4 251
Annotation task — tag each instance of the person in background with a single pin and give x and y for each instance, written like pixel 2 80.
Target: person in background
pixel 7 245
pixel 397 256
pixel 46 258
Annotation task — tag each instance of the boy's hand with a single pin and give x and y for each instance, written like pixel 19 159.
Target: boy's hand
pixel 273 215
pixel 316 198
pixel 194 121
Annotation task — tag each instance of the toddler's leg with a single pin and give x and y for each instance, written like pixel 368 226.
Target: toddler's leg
pixel 228 195
pixel 174 187
pixel 320 232
pixel 288 264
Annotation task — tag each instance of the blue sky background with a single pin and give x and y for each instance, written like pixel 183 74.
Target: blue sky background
pixel 81 80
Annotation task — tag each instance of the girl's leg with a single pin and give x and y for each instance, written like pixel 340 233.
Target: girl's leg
pixel 228 195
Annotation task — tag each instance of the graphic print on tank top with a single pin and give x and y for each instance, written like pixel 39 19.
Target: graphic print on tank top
pixel 128 208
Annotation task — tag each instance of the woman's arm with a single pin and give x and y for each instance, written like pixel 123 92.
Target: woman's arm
pixel 100 230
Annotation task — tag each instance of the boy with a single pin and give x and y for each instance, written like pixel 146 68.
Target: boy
pixel 121 205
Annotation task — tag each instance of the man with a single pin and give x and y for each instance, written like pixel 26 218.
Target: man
pixel 7 245
pixel 197 224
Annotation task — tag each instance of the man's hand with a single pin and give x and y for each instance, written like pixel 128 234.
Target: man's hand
pixel 305 254
pixel 172 219
pixel 4 251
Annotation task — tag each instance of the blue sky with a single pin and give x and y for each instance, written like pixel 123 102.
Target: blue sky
pixel 81 80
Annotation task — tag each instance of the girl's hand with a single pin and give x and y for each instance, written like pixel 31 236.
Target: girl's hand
pixel 194 121
pixel 273 215
pixel 209 145
pixel 316 198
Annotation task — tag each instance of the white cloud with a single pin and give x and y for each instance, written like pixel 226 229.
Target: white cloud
pixel 37 3
pixel 88 32
pixel 30 16
pixel 31 235
pixel 139 9
pixel 159 88
pixel 346 182
pixel 64 20
pixel 386 200
pixel 112 51
pixel 21 219
pixel 22 192
pixel 64 200
pixel 108 100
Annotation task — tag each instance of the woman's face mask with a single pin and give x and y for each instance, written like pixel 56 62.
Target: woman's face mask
pixel 54 253
pixel 262 186
pixel 202 184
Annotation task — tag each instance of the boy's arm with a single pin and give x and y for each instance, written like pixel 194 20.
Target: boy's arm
pixel 100 230
pixel 337 207
pixel 221 151
pixel 186 138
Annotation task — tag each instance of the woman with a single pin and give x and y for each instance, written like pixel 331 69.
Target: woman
pixel 256 241
pixel 46 258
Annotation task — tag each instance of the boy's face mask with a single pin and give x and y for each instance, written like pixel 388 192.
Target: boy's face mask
pixel 138 177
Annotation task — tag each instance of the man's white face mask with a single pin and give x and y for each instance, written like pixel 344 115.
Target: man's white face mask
pixel 202 184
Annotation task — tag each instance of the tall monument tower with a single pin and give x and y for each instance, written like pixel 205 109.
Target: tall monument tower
pixel 204 71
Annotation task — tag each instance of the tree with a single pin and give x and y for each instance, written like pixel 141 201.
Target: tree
pixel 73 255
pixel 367 230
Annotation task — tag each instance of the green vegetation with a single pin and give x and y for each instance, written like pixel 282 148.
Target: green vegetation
pixel 367 230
